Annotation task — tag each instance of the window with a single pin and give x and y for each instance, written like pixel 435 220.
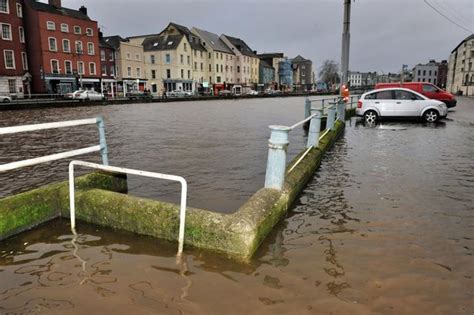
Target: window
pixel 77 30
pixel 429 73
pixel 181 58
pixel 189 74
pixel 405 95
pixel 66 46
pixel 64 28
pixel 24 60
pixel 153 74
pixel 424 72
pixel 92 68
pixel 217 55
pixel 137 56
pixel 185 47
pixel 12 86
pixel 202 66
pixel 210 56
pixel 384 95
pixel 238 69
pixel 210 68
pixel 168 73
pixel 139 73
pixel 195 53
pixel 182 74
pixel 67 67
pixel 79 49
pixel 90 48
pixel 54 66
pixel 4 6
pixel 218 79
pixel 80 67
pixel 52 44
pixel 217 68
pixel 19 10
pixel 189 60
pixel 102 55
pixel 222 68
pixel 168 58
pixel 104 69
pixel 152 59
pixel 50 25
pixel 195 65
pixel 6 31
pixel 429 88
pixel 112 71
pixel 129 56
pixel 201 56
pixel 21 31
pixel 129 72
pixel 89 32
pixel 116 70
pixel 419 72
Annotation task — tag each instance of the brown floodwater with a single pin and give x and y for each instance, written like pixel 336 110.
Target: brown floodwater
pixel 386 226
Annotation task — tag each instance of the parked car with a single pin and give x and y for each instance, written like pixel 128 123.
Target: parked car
pixel 137 95
pixel 5 99
pixel 399 102
pixel 252 92
pixel 225 92
pixel 73 95
pixel 176 93
pixel 90 96
pixel 427 89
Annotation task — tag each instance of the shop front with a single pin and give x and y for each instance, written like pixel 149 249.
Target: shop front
pixel 60 84
pixel 109 87
pixel 171 85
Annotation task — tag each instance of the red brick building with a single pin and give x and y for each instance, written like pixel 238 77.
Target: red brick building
pixel 14 77
pixel 63 47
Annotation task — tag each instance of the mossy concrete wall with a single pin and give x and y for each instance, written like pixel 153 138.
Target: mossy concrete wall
pixel 26 210
pixel 99 200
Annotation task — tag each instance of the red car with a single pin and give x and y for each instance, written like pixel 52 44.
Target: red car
pixel 427 89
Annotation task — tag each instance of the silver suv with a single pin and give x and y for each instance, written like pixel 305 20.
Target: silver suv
pixel 399 102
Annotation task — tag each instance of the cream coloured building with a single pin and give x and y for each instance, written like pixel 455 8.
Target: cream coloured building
pixel 130 65
pixel 246 63
pixel 460 68
pixel 221 60
pixel 174 59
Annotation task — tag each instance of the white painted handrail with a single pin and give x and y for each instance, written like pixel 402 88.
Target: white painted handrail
pixel 102 147
pixel 181 180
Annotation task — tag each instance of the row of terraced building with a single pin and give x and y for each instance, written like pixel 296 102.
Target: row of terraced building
pixel 50 49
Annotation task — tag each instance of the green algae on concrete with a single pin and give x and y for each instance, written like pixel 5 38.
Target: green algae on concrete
pixel 28 209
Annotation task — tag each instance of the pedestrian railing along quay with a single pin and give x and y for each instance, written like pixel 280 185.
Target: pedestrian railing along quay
pixel 102 147
pixel 323 103
pixel 279 139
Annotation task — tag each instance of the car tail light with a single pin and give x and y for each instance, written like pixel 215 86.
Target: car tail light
pixel 359 104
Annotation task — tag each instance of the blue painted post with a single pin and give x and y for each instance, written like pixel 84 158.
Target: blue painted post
pixel 103 144
pixel 314 128
pixel 331 117
pixel 307 108
pixel 276 163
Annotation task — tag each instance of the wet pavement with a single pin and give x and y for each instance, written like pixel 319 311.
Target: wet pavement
pixel 386 226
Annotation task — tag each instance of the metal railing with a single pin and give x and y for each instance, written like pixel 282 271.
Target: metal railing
pixel 332 108
pixel 181 180
pixel 102 147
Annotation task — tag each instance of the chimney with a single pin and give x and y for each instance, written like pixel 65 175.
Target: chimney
pixel 83 9
pixel 55 3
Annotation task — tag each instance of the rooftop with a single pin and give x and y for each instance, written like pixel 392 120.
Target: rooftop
pixel 44 7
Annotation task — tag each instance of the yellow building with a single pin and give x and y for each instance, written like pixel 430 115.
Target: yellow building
pixel 247 61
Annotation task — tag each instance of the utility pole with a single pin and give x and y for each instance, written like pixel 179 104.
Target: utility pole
pixel 346 38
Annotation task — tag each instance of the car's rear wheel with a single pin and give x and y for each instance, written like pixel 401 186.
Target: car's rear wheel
pixel 431 116
pixel 6 100
pixel 371 116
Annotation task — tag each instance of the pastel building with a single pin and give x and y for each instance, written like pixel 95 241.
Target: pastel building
pixel 247 61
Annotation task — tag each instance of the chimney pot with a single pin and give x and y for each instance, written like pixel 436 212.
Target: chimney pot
pixel 83 9
pixel 55 3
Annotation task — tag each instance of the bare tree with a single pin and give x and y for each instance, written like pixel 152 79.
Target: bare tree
pixel 329 72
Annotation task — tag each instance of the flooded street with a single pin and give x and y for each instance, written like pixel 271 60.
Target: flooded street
pixel 386 226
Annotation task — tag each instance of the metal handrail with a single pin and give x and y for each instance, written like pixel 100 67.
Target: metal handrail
pixel 102 147
pixel 181 180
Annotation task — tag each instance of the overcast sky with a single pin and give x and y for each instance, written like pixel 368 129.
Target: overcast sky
pixel 384 33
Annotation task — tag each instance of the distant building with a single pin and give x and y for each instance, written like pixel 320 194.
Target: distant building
pixel 304 67
pixel 362 79
pixel 108 67
pixel 273 59
pixel 285 75
pixel 460 71
pixel 247 61
pixel 426 72
pixel 442 74
pixel 266 75
pixel 14 76
pixel 63 47
pixel 129 64
pixel 355 79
